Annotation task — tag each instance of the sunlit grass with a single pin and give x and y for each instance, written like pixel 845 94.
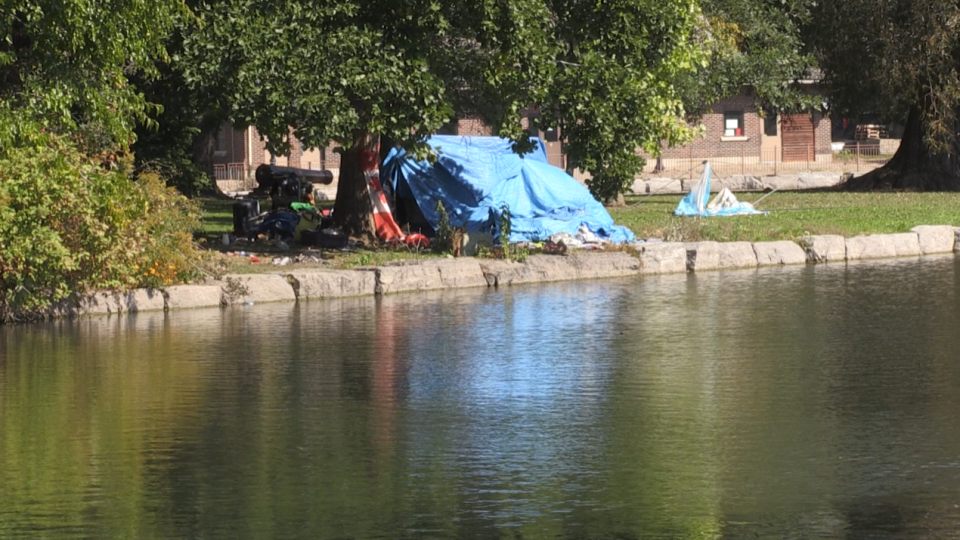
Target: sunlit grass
pixel 793 215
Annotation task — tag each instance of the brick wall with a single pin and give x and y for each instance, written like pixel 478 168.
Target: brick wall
pixel 473 127
pixel 710 144
pixel 823 133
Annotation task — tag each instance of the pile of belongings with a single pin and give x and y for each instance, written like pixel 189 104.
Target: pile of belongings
pixel 724 204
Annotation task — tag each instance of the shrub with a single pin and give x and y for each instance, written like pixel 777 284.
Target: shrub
pixel 69 225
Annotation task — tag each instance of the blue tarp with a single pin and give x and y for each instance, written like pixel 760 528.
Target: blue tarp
pixel 695 202
pixel 475 176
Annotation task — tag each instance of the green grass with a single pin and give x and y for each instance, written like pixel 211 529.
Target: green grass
pixel 217 218
pixel 793 215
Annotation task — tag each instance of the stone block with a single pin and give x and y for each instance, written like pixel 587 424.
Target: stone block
pixel 906 244
pixel 882 246
pixel 743 182
pixel 736 255
pixel 781 183
pixel 779 253
pixel 333 283
pixel 144 300
pixel 256 288
pixel 545 268
pixel 664 186
pixel 689 183
pixel 406 278
pixel 497 273
pixel 869 247
pixel 595 265
pixel 459 273
pixel 825 248
pixel 100 303
pixel 192 296
pixel 663 258
pixel 430 275
pixel 935 238
pixel 702 256
pixel 638 187
pixel 819 180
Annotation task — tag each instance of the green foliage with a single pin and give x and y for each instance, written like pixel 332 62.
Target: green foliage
pixel 885 57
pixel 505 226
pixel 64 65
pixel 615 87
pixel 172 161
pixel 69 225
pixel 604 72
pixel 180 144
pixel 753 43
pixel 443 242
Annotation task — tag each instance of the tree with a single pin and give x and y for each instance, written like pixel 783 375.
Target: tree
pixel 354 71
pixel 178 141
pixel 898 59
pixel 71 216
pixel 754 43
pixel 64 67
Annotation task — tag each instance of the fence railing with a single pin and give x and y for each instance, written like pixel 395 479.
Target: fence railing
pixel 233 177
pixel 855 158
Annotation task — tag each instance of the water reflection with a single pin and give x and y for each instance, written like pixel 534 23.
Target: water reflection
pixel 786 402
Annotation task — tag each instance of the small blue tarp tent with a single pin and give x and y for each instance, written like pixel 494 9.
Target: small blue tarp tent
pixel 475 176
pixel 695 202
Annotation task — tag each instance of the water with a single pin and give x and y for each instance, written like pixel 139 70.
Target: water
pixel 817 402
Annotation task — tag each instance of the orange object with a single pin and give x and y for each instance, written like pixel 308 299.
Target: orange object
pixel 417 240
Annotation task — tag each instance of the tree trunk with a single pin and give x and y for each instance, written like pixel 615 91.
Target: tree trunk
pixel 353 212
pixel 205 142
pixel 916 166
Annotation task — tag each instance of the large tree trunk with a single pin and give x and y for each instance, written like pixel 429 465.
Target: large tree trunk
pixel 205 142
pixel 353 212
pixel 916 166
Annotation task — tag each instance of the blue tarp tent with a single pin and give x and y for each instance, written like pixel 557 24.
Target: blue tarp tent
pixel 695 202
pixel 475 176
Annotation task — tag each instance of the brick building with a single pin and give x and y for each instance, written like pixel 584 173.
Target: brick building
pixel 734 133
pixel 238 152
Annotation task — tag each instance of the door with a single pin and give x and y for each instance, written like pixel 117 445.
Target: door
pixel 799 140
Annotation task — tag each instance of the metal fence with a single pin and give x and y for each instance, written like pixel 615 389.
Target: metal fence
pixel 855 158
pixel 232 177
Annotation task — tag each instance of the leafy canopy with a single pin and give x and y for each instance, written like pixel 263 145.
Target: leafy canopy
pixel 64 65
pixel 603 71
pixel 759 43
pixel 888 56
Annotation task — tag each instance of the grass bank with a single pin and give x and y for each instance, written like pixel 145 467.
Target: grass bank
pixel 792 216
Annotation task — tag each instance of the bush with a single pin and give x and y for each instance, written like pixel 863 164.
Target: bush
pixel 68 225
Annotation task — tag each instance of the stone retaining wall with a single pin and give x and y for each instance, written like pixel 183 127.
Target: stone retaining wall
pixel 438 274
pixel 740 182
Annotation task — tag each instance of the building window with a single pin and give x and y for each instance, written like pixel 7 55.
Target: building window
pixel 770 124
pixel 221 149
pixel 733 124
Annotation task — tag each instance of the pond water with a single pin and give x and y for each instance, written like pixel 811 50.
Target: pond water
pixel 808 402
